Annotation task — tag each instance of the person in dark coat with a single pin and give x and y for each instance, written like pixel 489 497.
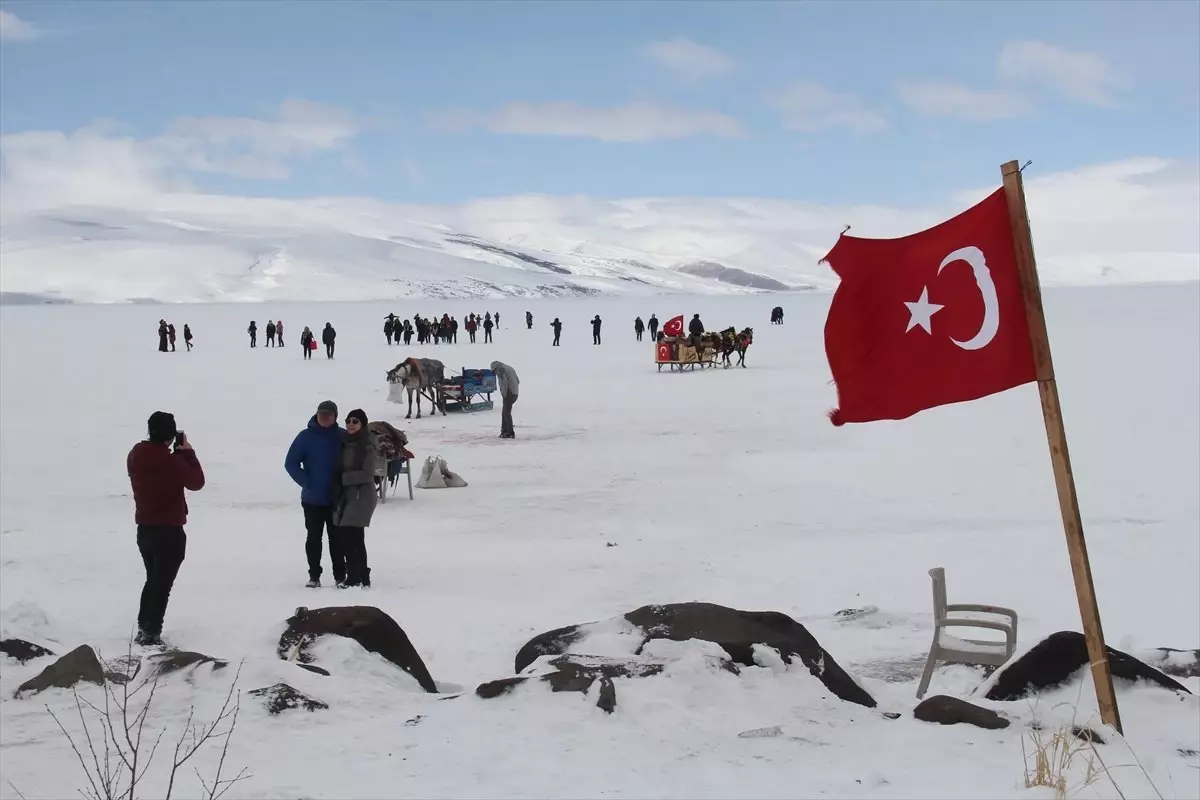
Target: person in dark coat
pixel 187 336
pixel 487 328
pixel 596 329
pixel 327 338
pixel 389 325
pixel 557 326
pixel 312 462
pixel 306 343
pixel 253 331
pixel 163 333
pixel 171 335
pixel 639 328
pixel 529 320
pixel 270 333
pixel 279 333
pixel 158 478
pixel 653 328
pixel 696 327
pixel 354 488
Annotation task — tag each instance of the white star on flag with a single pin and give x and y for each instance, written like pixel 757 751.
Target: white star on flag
pixel 921 312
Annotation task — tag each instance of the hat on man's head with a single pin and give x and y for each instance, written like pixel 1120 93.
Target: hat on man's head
pixel 327 407
pixel 161 427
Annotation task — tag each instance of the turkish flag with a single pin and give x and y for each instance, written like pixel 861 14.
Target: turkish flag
pixel 674 326
pixel 929 319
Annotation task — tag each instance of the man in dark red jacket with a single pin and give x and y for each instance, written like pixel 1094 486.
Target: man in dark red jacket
pixel 158 477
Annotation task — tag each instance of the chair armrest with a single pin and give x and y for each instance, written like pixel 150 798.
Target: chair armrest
pixel 1002 611
pixel 976 623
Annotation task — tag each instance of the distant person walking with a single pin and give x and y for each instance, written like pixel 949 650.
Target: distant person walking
pixel 389 325
pixel 529 320
pixel 653 328
pixel 253 331
pixel 279 332
pixel 638 328
pixel 187 336
pixel 507 383
pixel 312 462
pixel 307 343
pixel 487 329
pixel 171 335
pixel 158 478
pixel 163 333
pixel 557 326
pixel 328 336
pixel 270 333
pixel 355 496
pixel 596 323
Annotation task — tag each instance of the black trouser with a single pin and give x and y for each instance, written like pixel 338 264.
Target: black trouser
pixel 595 337
pixel 506 423
pixel 316 519
pixel 163 548
pixel 639 335
pixel 556 335
pixel 472 335
pixel 354 543
pixel 487 335
pixel 329 349
pixel 253 340
pixel 271 339
pixel 188 342
pixel 654 334
pixel 306 347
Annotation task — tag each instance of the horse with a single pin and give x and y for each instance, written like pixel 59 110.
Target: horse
pixel 732 342
pixel 419 375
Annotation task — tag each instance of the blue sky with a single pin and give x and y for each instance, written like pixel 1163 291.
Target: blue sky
pixel 894 102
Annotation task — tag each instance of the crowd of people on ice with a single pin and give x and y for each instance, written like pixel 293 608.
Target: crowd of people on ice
pixel 427 330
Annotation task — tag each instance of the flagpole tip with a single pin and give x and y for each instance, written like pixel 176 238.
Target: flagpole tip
pixel 835 416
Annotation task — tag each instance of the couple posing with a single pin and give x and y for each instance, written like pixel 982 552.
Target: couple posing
pixel 335 470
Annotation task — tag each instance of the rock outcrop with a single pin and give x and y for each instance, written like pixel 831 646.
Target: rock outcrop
pixel 367 625
pixel 737 632
pixel 81 665
pixel 1056 659
pixel 946 710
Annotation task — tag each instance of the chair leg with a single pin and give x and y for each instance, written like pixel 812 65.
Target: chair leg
pixel 408 474
pixel 927 675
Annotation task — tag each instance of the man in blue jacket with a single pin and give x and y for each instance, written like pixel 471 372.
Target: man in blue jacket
pixel 312 462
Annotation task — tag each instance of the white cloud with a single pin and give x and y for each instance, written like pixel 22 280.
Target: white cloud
pixel 1080 76
pixel 15 29
pixel 633 122
pixel 810 107
pixel 944 99
pixel 688 60
pixel 95 162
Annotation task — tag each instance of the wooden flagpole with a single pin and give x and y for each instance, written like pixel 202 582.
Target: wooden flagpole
pixel 1056 436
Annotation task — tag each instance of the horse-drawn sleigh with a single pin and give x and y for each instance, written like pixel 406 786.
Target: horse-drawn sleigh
pixel 426 377
pixel 690 352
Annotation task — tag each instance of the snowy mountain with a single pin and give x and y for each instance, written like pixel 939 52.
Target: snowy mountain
pixel 1132 222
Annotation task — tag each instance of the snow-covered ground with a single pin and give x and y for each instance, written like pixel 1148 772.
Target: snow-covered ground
pixel 624 487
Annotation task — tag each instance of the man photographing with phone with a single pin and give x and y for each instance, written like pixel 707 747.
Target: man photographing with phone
pixel 160 469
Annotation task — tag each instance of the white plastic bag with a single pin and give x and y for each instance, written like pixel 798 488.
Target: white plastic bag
pixel 435 474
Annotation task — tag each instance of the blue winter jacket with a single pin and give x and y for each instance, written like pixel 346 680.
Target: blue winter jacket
pixel 312 459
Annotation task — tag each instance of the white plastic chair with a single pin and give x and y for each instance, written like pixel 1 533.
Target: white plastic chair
pixel 952 649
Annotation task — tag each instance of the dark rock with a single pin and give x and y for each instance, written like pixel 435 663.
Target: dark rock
pixel 1056 659
pixel 313 668
pixel 1087 735
pixel 1188 753
pixel 607 701
pixel 414 722
pixel 1185 665
pixel 22 650
pixel 370 627
pixel 123 669
pixel 281 697
pixel 946 710
pixel 79 665
pixel 578 673
pixel 550 643
pixel 737 632
pixel 174 660
pixel 891 715
pixel 498 687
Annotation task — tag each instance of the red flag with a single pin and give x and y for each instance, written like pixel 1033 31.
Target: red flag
pixel 674 326
pixel 929 319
